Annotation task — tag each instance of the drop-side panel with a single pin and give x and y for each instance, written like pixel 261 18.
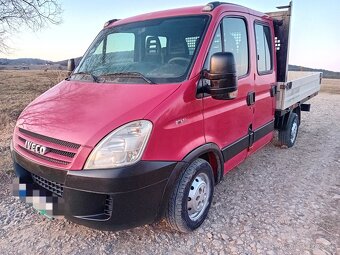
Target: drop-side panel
pixel 299 88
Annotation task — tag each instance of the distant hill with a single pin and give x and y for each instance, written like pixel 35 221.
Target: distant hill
pixel 24 61
pixel 4 62
pixel 326 73
pixel 64 62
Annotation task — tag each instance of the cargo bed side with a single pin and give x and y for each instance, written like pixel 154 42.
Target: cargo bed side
pixel 300 87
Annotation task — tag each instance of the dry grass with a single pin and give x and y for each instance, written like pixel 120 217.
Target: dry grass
pixel 331 86
pixel 17 89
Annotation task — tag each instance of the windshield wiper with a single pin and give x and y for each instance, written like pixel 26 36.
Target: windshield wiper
pixel 128 75
pixel 95 78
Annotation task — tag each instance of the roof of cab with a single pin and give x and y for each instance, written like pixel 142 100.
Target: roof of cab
pixel 195 10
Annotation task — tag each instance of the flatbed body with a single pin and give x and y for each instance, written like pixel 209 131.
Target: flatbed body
pixel 300 87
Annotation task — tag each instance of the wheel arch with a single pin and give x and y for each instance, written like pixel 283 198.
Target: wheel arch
pixel 209 152
pixel 297 110
pixel 281 121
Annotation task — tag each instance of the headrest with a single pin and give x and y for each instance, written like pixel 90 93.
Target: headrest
pixel 153 45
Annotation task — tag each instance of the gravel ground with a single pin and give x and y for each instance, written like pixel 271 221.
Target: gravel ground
pixel 279 201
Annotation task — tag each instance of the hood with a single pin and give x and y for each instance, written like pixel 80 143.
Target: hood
pixel 83 112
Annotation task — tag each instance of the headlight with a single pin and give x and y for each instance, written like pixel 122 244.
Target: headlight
pixel 123 146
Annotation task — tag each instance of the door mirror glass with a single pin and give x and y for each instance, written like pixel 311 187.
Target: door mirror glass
pixel 70 65
pixel 222 76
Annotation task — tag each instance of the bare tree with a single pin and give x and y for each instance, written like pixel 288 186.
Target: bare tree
pixel 34 14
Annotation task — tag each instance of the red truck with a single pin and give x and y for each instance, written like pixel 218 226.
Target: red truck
pixel 159 109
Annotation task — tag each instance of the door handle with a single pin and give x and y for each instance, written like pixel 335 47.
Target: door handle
pixel 273 90
pixel 251 98
pixel 251 137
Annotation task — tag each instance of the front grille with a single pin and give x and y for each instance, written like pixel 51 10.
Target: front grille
pixel 63 153
pixel 53 160
pixel 50 139
pixel 54 187
pixel 58 151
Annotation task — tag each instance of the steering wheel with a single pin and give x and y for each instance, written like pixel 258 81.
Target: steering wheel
pixel 179 59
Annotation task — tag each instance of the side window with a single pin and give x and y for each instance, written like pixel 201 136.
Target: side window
pixel 120 47
pixel 263 48
pixel 99 49
pixel 236 41
pixel 216 46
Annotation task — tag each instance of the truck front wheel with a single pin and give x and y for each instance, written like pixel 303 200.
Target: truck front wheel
pixel 191 198
pixel 288 135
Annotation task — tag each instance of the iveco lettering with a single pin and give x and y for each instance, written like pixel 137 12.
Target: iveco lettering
pixel 159 109
pixel 35 147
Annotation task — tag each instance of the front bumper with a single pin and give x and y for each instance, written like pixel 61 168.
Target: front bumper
pixel 108 199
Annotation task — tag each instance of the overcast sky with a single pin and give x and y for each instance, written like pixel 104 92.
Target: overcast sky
pixel 315 38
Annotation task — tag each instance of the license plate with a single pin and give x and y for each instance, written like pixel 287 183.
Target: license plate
pixel 43 201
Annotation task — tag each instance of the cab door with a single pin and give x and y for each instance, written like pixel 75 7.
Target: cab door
pixel 228 122
pixel 265 77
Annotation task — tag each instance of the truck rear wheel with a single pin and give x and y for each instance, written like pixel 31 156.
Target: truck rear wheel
pixel 190 201
pixel 288 135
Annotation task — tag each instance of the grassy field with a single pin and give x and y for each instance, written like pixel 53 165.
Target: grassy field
pixel 18 88
pixel 331 86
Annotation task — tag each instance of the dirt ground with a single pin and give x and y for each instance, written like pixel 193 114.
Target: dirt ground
pixel 279 201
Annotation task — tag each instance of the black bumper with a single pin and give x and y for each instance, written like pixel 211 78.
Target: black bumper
pixel 109 199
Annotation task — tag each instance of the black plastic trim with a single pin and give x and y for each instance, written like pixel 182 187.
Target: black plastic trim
pixel 116 180
pixel 263 131
pixel 273 90
pixel 235 148
pixel 182 165
pixel 247 141
pixel 120 180
pixel 51 174
pixel 172 180
pixel 215 4
pixel 251 98
pixel 305 107
pixel 137 193
pixel 206 148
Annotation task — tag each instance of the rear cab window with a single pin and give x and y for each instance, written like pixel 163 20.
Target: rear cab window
pixel 263 48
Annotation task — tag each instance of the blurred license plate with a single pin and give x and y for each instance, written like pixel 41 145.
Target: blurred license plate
pixel 43 201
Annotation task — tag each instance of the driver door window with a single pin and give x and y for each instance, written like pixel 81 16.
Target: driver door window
pixel 216 46
pixel 235 40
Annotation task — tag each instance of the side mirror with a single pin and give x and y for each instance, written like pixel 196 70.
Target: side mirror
pixel 70 65
pixel 222 76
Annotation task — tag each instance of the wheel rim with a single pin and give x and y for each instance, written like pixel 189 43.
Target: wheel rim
pixel 198 198
pixel 293 132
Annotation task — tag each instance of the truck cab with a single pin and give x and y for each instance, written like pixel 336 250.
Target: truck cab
pixel 159 109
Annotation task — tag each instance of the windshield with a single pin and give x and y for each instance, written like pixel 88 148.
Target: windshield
pixel 152 51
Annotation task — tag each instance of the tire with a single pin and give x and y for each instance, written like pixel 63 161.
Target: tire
pixel 196 183
pixel 287 136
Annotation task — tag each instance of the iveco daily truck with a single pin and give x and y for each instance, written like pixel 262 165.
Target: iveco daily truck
pixel 159 109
